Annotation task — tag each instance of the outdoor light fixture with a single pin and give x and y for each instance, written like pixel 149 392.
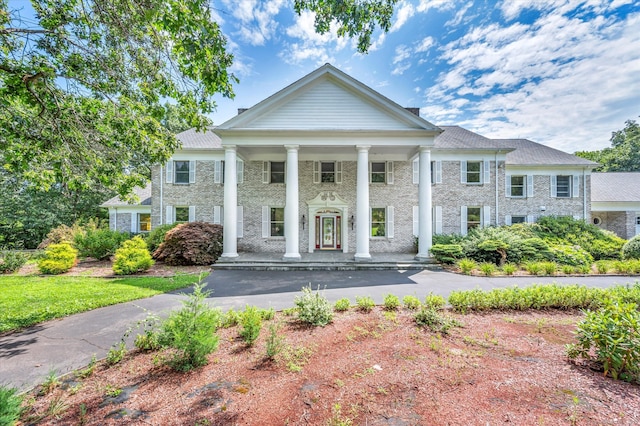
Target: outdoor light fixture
pixel 303 221
pixel 543 208
pixel 352 220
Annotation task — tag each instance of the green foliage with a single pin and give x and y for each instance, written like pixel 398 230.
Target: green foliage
pixel 230 318
pixel 116 353
pixel 631 249
pixel 193 243
pixel 365 303
pixel 155 237
pixel 11 261
pixel 132 257
pixel 275 342
pixel 603 266
pixel 251 325
pixel 624 153
pixel 411 302
pixel 342 305
pixel 501 244
pixel 488 269
pixel 434 301
pixel 391 302
pixel 495 247
pixel 57 259
pixel 446 253
pixel 509 268
pixel 467 265
pixel 613 333
pixel 267 314
pixel 313 308
pixel 99 242
pixel 190 331
pixel 548 268
pixel 570 255
pixel 431 318
pixel 533 268
pixel 567 269
pixel 62 234
pixel 10 406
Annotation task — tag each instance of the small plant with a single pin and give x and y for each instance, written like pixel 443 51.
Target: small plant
pixel 313 308
pixel 251 325
pixel 467 265
pixel 446 253
pixel 509 268
pixel 132 257
pixel 147 341
pixel 116 353
pixel 112 391
pixel 57 406
pixel 568 269
pixel 411 302
pixel 88 371
pixel 337 419
pixel 342 305
pixel 99 243
pixel 365 303
pixel 488 269
pixel 533 268
pixel 82 414
pixel 10 405
pixel 391 302
pixel 275 342
pixel 11 261
pixel 51 382
pixel 548 268
pixel 156 236
pixel 434 301
pixel 603 266
pixel 428 317
pixel 230 318
pixel 289 312
pixel 267 314
pixel 57 259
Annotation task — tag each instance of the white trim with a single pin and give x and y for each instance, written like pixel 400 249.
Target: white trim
pixel 217 171
pixel 463 171
pixel 507 187
pixel 529 186
pixel 239 171
pixel 575 190
pixel 463 220
pixel 531 218
pixel 169 215
pixel 438 219
pixel 218 215
pixel 416 170
pixel 554 186
pixel 487 172
pixel 389 219
pixel 192 213
pixel 507 219
pixel 416 220
pixel 134 222
pixel 266 171
pixel 338 172
pixel 438 171
pixel 240 222
pixel 486 216
pixel 316 172
pixel 265 222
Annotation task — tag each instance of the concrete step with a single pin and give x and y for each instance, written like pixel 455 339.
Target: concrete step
pixel 266 265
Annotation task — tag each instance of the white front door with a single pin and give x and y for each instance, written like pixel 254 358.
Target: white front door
pixel 328 232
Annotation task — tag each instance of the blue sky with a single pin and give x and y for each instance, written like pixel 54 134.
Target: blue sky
pixel 565 73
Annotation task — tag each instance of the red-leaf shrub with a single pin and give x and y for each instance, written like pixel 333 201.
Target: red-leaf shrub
pixel 193 243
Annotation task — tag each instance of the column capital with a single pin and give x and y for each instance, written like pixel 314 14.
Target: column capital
pixel 425 148
pixel 230 148
pixel 363 148
pixel 292 147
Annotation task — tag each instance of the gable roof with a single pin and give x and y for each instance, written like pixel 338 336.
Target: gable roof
pixel 144 194
pixel 456 137
pixel 615 186
pixel 528 153
pixel 204 139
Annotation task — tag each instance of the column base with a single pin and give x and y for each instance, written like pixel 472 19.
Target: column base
pixel 229 255
pixel 422 257
pixel 362 257
pixel 292 257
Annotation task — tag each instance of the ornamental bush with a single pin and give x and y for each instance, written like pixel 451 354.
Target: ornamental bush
pixel 132 257
pixel 251 325
pixel 313 308
pixel 11 261
pixel 193 243
pixel 570 255
pixel 57 259
pixel 447 253
pixel 631 249
pixel 156 236
pixel 99 243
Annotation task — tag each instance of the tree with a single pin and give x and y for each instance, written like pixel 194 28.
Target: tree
pixel 82 91
pixel 624 153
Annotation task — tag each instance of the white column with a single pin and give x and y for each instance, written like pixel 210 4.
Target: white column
pixel 230 230
pixel 362 205
pixel 291 230
pixel 425 227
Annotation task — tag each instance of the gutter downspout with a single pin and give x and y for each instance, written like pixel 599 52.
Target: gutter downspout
pixel 584 194
pixel 161 201
pixel 496 159
pixel 115 219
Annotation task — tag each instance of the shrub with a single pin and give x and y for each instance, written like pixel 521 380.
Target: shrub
pixel 613 332
pixel 61 234
pixel 132 257
pixel 342 305
pixel 10 405
pixel 230 318
pixel 434 301
pixel 603 266
pixel 567 269
pixel 251 325
pixel 495 248
pixel 548 268
pixel 155 237
pixel 446 253
pixel 99 243
pixel 411 302
pixel 570 255
pixel 622 267
pixel 509 268
pixel 488 268
pixel 275 342
pixel 467 265
pixel 193 243
pixel 267 314
pixel 631 249
pixel 116 353
pixel 57 259
pixel 365 303
pixel 502 244
pixel 431 318
pixel 313 308
pixel 12 260
pixel 391 302
pixel 191 332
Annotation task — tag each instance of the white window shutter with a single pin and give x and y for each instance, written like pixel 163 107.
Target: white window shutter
pixel 529 186
pixel 416 170
pixel 463 174
pixel 239 171
pixel 507 219
pixel 192 171
pixel 168 215
pixel 369 182
pixel 240 230
pixel 389 222
pixel 507 187
pixel 438 216
pixel 134 222
pixel 169 177
pixel 218 213
pixel 389 172
pixel 487 172
pixel 192 213
pixel 576 186
pixel 463 220
pixel 217 171
pixel 416 221
pixel 531 219
pixel 486 216
pixel 554 186
pixel 266 171
pixel 265 222
pixel 316 172
pixel 338 171
pixel 438 171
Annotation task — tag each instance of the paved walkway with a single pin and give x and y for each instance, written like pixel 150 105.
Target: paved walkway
pixel 69 343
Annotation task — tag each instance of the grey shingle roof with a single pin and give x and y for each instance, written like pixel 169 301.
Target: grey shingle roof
pixel 456 137
pixel 144 194
pixel 532 153
pixel 204 139
pixel 617 186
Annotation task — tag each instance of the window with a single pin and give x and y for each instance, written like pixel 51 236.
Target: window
pixel 181 171
pixel 144 222
pixel 327 172
pixel 518 219
pixel 378 222
pixel 473 217
pixel 276 222
pixel 563 186
pixel 378 172
pixel 218 171
pixel 276 172
pixel 518 186
pixel 181 215
pixel 474 170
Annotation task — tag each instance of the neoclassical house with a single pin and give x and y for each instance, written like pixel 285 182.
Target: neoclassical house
pixel 328 163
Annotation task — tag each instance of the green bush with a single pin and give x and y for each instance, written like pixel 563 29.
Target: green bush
pixel 267 314
pixel 411 302
pixel 446 253
pixel 570 255
pixel 467 265
pixel 613 332
pixel 193 243
pixel 342 305
pixel 533 268
pixel 567 269
pixel 230 318
pixel 503 244
pixel 61 234
pixel 631 249
pixel 431 318
pixel 190 331
pixel 10 406
pixel 132 257
pixel 488 268
pixel 251 325
pixel 11 261
pixel 365 303
pixel 434 301
pixel 548 268
pixel 313 308
pixel 99 243
pixel 391 302
pixel 57 259
pixel 155 237
pixel 275 342
pixel 509 268
pixel 603 266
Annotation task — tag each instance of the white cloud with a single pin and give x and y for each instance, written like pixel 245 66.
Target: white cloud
pixel 255 20
pixel 404 12
pixel 426 5
pixel 310 44
pixel 425 44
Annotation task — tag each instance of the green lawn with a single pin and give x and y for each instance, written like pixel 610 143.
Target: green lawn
pixel 28 300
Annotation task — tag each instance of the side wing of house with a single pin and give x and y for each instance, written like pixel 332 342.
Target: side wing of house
pixel 615 203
